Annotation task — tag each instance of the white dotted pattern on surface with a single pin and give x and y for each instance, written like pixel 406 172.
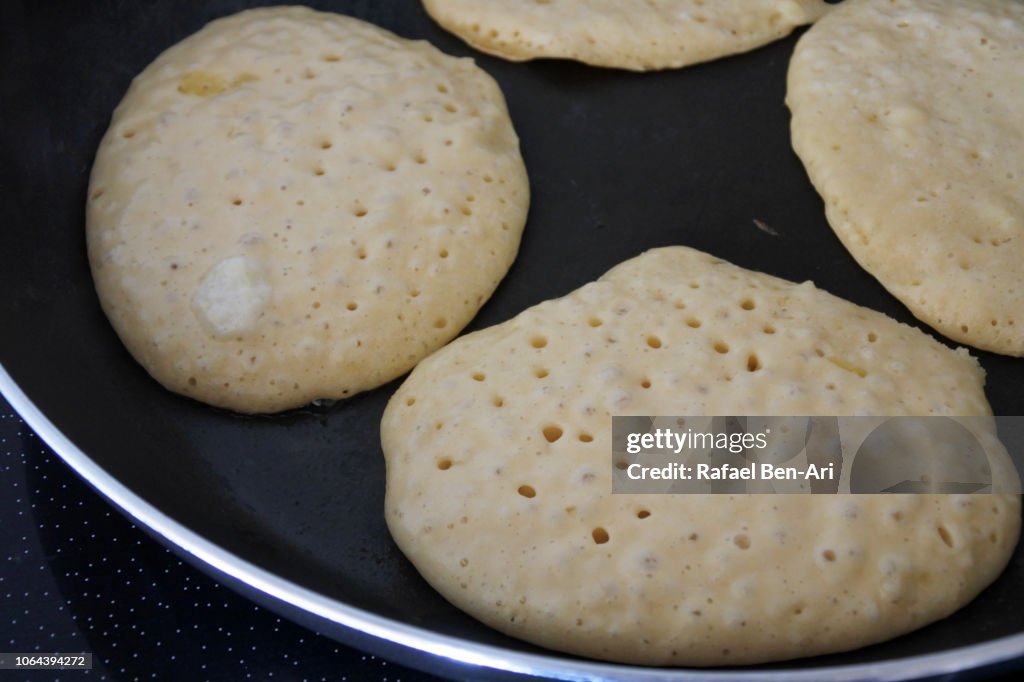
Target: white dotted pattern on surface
pixel 75 576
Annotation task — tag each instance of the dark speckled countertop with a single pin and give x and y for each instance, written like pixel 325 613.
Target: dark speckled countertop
pixel 76 576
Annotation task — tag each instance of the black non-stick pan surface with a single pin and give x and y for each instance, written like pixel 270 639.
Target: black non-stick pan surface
pixel 289 509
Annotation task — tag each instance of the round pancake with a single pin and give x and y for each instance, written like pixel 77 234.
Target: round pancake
pixel 499 473
pixel 292 205
pixel 627 34
pixel 907 116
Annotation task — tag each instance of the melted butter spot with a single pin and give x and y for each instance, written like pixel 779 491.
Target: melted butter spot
pixel 202 84
pixel 206 84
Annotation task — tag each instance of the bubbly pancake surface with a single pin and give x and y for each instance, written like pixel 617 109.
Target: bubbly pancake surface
pixel 907 117
pixel 499 471
pixel 292 205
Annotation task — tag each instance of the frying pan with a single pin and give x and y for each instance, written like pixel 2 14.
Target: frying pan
pixel 289 509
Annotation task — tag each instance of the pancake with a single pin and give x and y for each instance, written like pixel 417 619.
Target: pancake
pixel 906 115
pixel 292 205
pixel 626 34
pixel 500 468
